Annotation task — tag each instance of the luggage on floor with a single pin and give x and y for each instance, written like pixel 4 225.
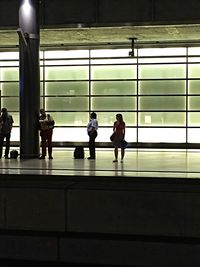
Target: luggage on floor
pixel 79 152
pixel 14 154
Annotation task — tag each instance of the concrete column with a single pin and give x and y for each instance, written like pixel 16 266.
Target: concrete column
pixel 29 40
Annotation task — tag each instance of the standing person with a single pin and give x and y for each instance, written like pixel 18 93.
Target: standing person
pixel 119 134
pixel 92 128
pixel 46 125
pixel 6 122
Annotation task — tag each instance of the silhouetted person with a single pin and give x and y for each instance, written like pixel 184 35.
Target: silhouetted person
pixel 46 125
pixel 6 123
pixel 119 134
pixel 92 128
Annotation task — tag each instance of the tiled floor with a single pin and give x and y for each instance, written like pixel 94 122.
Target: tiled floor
pixel 137 163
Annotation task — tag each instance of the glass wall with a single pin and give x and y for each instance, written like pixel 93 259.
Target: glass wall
pixel 157 91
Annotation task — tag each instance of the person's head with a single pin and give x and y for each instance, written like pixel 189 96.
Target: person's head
pixel 42 114
pixel 4 110
pixel 42 111
pixel 93 115
pixel 119 117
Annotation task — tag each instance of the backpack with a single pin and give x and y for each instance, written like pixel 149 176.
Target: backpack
pixel 14 154
pixel 79 152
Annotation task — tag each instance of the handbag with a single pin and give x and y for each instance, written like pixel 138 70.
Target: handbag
pixel 112 137
pixel 124 144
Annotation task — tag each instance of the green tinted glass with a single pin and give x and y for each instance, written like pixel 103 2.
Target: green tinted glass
pixel 113 103
pixel 113 88
pixel 108 118
pixel 66 103
pixel 193 70
pixel 67 88
pixel 194 102
pixel 162 103
pixel 193 118
pixel 10 74
pixel 162 87
pixel 113 72
pixel 194 87
pixel 70 118
pixel 11 103
pixel 10 89
pixel 67 73
pixel 162 71
pixel 162 119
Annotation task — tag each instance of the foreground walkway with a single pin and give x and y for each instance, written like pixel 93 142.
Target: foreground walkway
pixel 141 162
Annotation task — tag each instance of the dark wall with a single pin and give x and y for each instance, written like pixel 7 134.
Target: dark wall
pixel 62 12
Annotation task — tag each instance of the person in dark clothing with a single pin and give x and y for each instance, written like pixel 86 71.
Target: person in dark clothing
pixel 92 128
pixel 6 123
pixel 46 125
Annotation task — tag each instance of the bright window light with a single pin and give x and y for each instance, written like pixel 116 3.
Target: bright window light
pixel 194 51
pixel 9 56
pixel 164 135
pixel 162 52
pixel 110 53
pixel 194 135
pixel 66 54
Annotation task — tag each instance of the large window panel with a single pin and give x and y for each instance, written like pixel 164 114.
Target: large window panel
pixel 113 103
pixel 113 72
pixel 194 86
pixel 164 51
pixel 193 70
pixel 194 119
pixel 10 89
pixel 162 119
pixel 70 118
pixel 113 88
pixel 114 61
pixel 11 103
pixel 15 116
pixel 67 88
pixel 165 135
pixel 9 56
pixel 167 71
pixel 108 118
pixel 77 62
pixel 66 103
pixel 194 102
pixel 60 54
pixel 9 63
pixel 67 73
pixel 165 87
pixel 193 135
pixel 105 133
pixel 103 53
pixel 70 134
pixel 162 103
pixel 161 60
pixel 9 74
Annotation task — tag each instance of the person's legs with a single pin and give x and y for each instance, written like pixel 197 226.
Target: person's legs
pixel 43 143
pixel 7 145
pixel 1 144
pixel 116 154
pixel 49 143
pixel 122 153
pixel 92 150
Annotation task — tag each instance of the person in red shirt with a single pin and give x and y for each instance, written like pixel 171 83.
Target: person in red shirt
pixel 119 134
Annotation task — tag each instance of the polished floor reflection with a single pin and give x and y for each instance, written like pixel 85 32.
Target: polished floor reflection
pixel 138 162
